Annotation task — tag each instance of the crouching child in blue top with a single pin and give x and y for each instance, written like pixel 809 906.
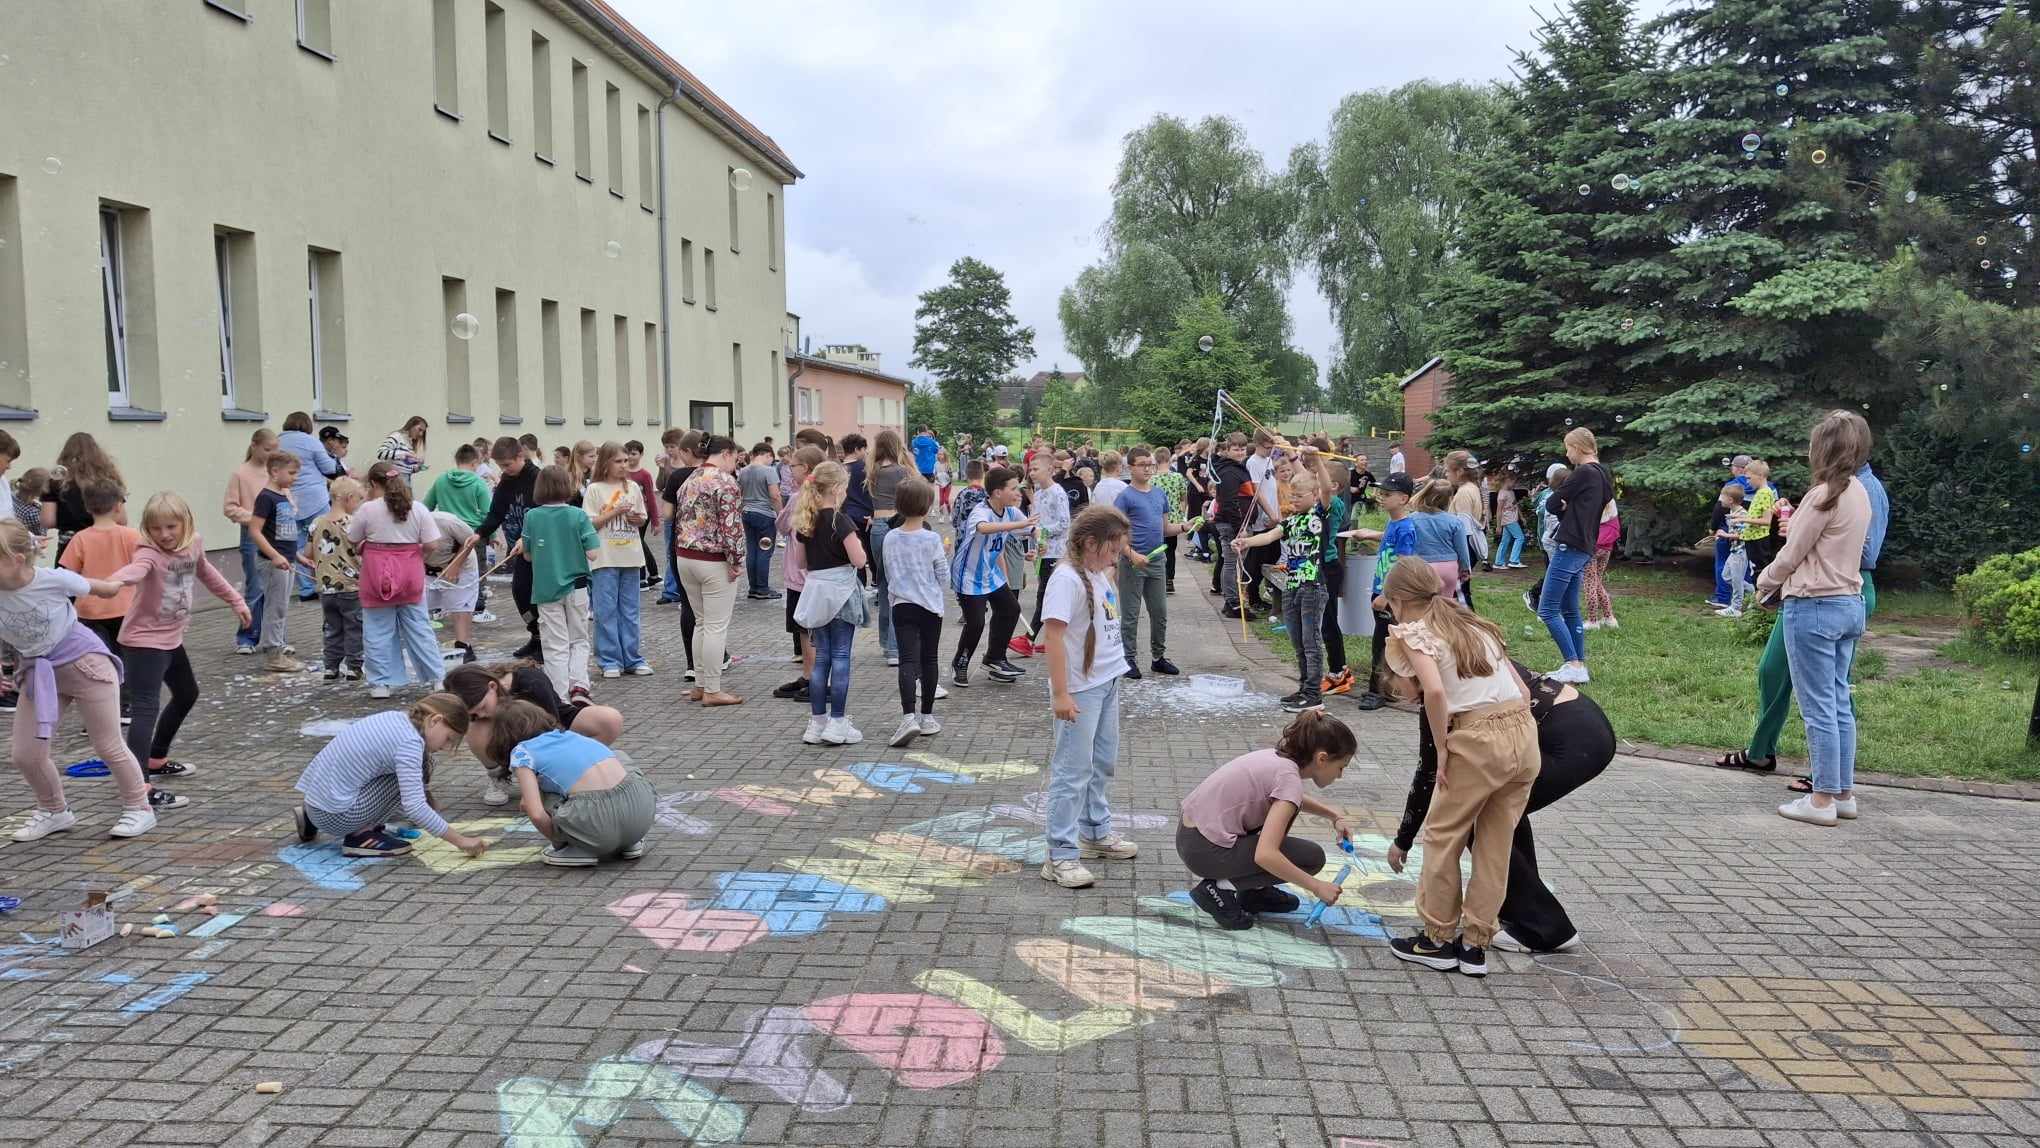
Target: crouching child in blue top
pixel 574 788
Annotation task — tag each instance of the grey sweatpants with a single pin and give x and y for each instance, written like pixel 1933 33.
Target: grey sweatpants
pixel 342 628
pixel 278 590
pixel 606 821
pixel 1303 615
pixel 1140 586
pixel 372 806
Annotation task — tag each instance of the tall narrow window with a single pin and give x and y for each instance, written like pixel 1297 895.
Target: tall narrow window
pixel 647 167
pixel 541 98
pixel 113 294
pixel 240 351
pixel 460 331
pixel 509 401
pixel 730 185
pixel 613 108
pixel 654 408
pixel 591 372
pixel 549 350
pixel 687 271
pixel 14 389
pixel 623 403
pixel 315 26
pixel 777 381
pixel 224 269
pixel 326 299
pixel 496 34
pixel 771 231
pixel 582 160
pixel 737 384
pixel 445 59
pixel 708 274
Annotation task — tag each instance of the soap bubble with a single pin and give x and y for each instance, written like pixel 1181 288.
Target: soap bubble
pixel 1782 89
pixel 1628 324
pixel 52 164
pixel 1912 196
pixel 59 473
pixel 613 249
pixel 1568 422
pixel 1944 386
pixel 5 60
pixel 1819 155
pixel 1366 297
pixel 1205 343
pixel 1749 155
pixel 1529 632
pixel 1725 460
pixel 466 326
pixel 1413 253
pixel 1866 406
pixel 1618 419
pixel 1620 183
pixel 1752 141
pixel 1586 189
pixel 1983 241
pixel 1985 265
pixel 740 178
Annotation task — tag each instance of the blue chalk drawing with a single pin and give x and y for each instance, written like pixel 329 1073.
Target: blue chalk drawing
pixel 901 778
pixel 177 987
pixel 324 866
pixel 793 904
pixel 116 979
pixel 219 924
pixel 1358 922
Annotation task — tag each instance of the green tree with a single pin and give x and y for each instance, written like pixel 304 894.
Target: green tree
pixel 1381 208
pixel 1294 376
pixel 1177 380
pixel 1061 405
pixel 924 408
pixel 965 335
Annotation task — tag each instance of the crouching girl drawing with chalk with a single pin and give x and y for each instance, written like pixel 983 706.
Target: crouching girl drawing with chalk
pixel 574 788
pixel 377 766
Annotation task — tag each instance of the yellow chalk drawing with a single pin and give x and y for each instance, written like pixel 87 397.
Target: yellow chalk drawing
pixel 987 771
pixel 1857 1037
pixel 1098 977
pixel 1245 959
pixel 909 848
pixel 440 857
pixel 893 880
pixel 832 786
pixel 1024 1024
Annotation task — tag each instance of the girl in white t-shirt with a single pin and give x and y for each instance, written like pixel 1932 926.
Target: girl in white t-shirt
pixel 1080 624
pixel 616 504
pixel 1479 713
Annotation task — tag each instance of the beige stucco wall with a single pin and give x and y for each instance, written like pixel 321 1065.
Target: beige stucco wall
pixel 205 120
pixel 841 393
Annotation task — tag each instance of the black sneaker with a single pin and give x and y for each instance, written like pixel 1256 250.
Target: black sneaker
pixel 126 718
pixel 1422 950
pixel 1369 701
pixel 169 769
pixel 1007 665
pixel 467 653
pixel 306 831
pixel 1302 702
pixel 1270 900
pixel 9 701
pixel 1222 904
pixel 527 650
pixel 1164 667
pixel 1291 699
pixel 959 673
pixel 1132 672
pixel 1472 960
pixel 795 688
pixel 164 799
pixel 332 675
pixel 1169 586
pixel 999 672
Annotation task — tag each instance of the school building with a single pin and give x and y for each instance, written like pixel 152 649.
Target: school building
pixel 839 397
pixel 507 216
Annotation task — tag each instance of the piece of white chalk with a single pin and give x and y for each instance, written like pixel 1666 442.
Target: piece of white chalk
pixel 270 1087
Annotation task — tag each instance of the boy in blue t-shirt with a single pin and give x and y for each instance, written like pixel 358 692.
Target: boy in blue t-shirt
pixel 1397 539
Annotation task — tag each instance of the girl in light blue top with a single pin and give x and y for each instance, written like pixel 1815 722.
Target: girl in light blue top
pixel 575 789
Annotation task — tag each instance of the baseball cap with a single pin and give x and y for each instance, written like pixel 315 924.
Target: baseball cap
pixel 1399 483
pixel 998 451
pixel 331 434
pixel 1551 472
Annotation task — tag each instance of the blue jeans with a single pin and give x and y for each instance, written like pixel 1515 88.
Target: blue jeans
pixel 1723 594
pixel 669 590
pixel 1820 646
pixel 613 599
pixel 829 683
pixel 1079 770
pixel 888 641
pixel 1511 549
pixel 758 561
pixel 305 587
pixel 389 634
pixel 1558 604
pixel 253 579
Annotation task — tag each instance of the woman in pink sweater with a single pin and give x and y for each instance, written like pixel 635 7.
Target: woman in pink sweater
pixel 170 558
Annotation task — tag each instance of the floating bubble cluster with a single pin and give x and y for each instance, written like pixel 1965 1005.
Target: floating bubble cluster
pixel 1752 142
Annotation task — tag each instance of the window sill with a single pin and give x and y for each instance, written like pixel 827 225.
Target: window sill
pixel 459 420
pixel 585 178
pixel 243 415
pixel 543 158
pixel 556 420
pixel 623 422
pixel 648 209
pixel 331 417
pixel 228 9
pixel 510 420
pixel 711 306
pixel 321 53
pixel 588 422
pixel 135 415
pixel 501 139
pixel 16 414
pixel 617 194
pixel 447 112
pixel 685 299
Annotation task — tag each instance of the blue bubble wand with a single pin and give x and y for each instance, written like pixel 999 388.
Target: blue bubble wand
pixel 1346 867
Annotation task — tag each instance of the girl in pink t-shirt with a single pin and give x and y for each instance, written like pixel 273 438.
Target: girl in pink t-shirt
pixel 1234 831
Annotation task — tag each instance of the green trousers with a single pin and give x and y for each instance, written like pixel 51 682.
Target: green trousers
pixel 1774 682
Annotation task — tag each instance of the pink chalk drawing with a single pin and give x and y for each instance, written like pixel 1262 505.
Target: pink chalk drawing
pixel 1033 809
pixel 666 920
pixel 770 1053
pixel 634 969
pixel 753 803
pixel 1350 1142
pixel 283 909
pixel 924 1041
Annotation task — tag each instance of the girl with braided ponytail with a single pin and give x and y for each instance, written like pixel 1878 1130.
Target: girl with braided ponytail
pixel 1080 624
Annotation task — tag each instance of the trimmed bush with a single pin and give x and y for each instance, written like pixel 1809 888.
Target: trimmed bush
pixel 2002 600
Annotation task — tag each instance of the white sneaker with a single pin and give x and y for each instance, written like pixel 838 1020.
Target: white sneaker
pixel 1068 874
pixel 909 728
pixel 929 725
pixel 1509 944
pixel 611 672
pixel 1570 672
pixel 1844 808
pixel 1112 847
pixel 642 670
pixel 42 823
pixel 1805 810
pixel 484 617
pixel 689 675
pixel 1611 624
pixel 892 659
pixel 378 692
pixel 815 727
pixel 495 794
pixel 839 731
pixel 134 823
pixel 1728 612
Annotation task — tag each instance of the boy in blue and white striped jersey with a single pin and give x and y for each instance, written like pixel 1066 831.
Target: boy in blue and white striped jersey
pixel 979 576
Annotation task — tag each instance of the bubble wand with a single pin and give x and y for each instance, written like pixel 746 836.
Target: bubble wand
pixel 1346 867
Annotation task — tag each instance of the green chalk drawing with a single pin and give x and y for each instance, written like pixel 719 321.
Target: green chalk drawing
pixel 541 1113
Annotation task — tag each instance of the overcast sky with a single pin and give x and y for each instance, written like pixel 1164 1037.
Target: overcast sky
pixel 930 131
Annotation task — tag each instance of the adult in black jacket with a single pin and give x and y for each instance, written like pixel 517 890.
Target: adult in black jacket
pixel 1576 744
pixel 1578 503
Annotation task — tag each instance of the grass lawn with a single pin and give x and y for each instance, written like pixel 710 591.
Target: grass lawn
pixel 1675 675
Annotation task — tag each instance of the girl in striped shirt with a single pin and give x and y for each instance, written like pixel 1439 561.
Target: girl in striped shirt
pixel 376 766
pixel 979 576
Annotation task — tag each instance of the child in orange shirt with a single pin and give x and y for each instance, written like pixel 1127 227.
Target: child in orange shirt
pixel 95 553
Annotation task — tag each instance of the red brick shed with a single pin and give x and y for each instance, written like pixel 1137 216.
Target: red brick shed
pixel 1423 392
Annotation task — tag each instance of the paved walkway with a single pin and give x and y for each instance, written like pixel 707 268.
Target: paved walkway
pixel 849 946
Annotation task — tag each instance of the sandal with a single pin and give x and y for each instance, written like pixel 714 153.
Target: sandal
pixel 1741 760
pixel 1801 785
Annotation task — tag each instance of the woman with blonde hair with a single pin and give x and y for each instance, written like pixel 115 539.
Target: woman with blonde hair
pixel 832 605
pixel 1579 504
pixel 244 486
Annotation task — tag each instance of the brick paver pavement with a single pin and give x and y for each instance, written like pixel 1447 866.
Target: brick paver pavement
pixel 849 946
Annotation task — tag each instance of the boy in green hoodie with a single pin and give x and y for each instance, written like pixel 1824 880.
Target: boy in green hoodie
pixel 461 491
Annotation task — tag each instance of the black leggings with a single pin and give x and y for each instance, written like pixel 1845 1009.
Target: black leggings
pixel 1046 568
pixel 1005 606
pixel 155 725
pixel 920 636
pixel 1335 638
pixel 520 592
